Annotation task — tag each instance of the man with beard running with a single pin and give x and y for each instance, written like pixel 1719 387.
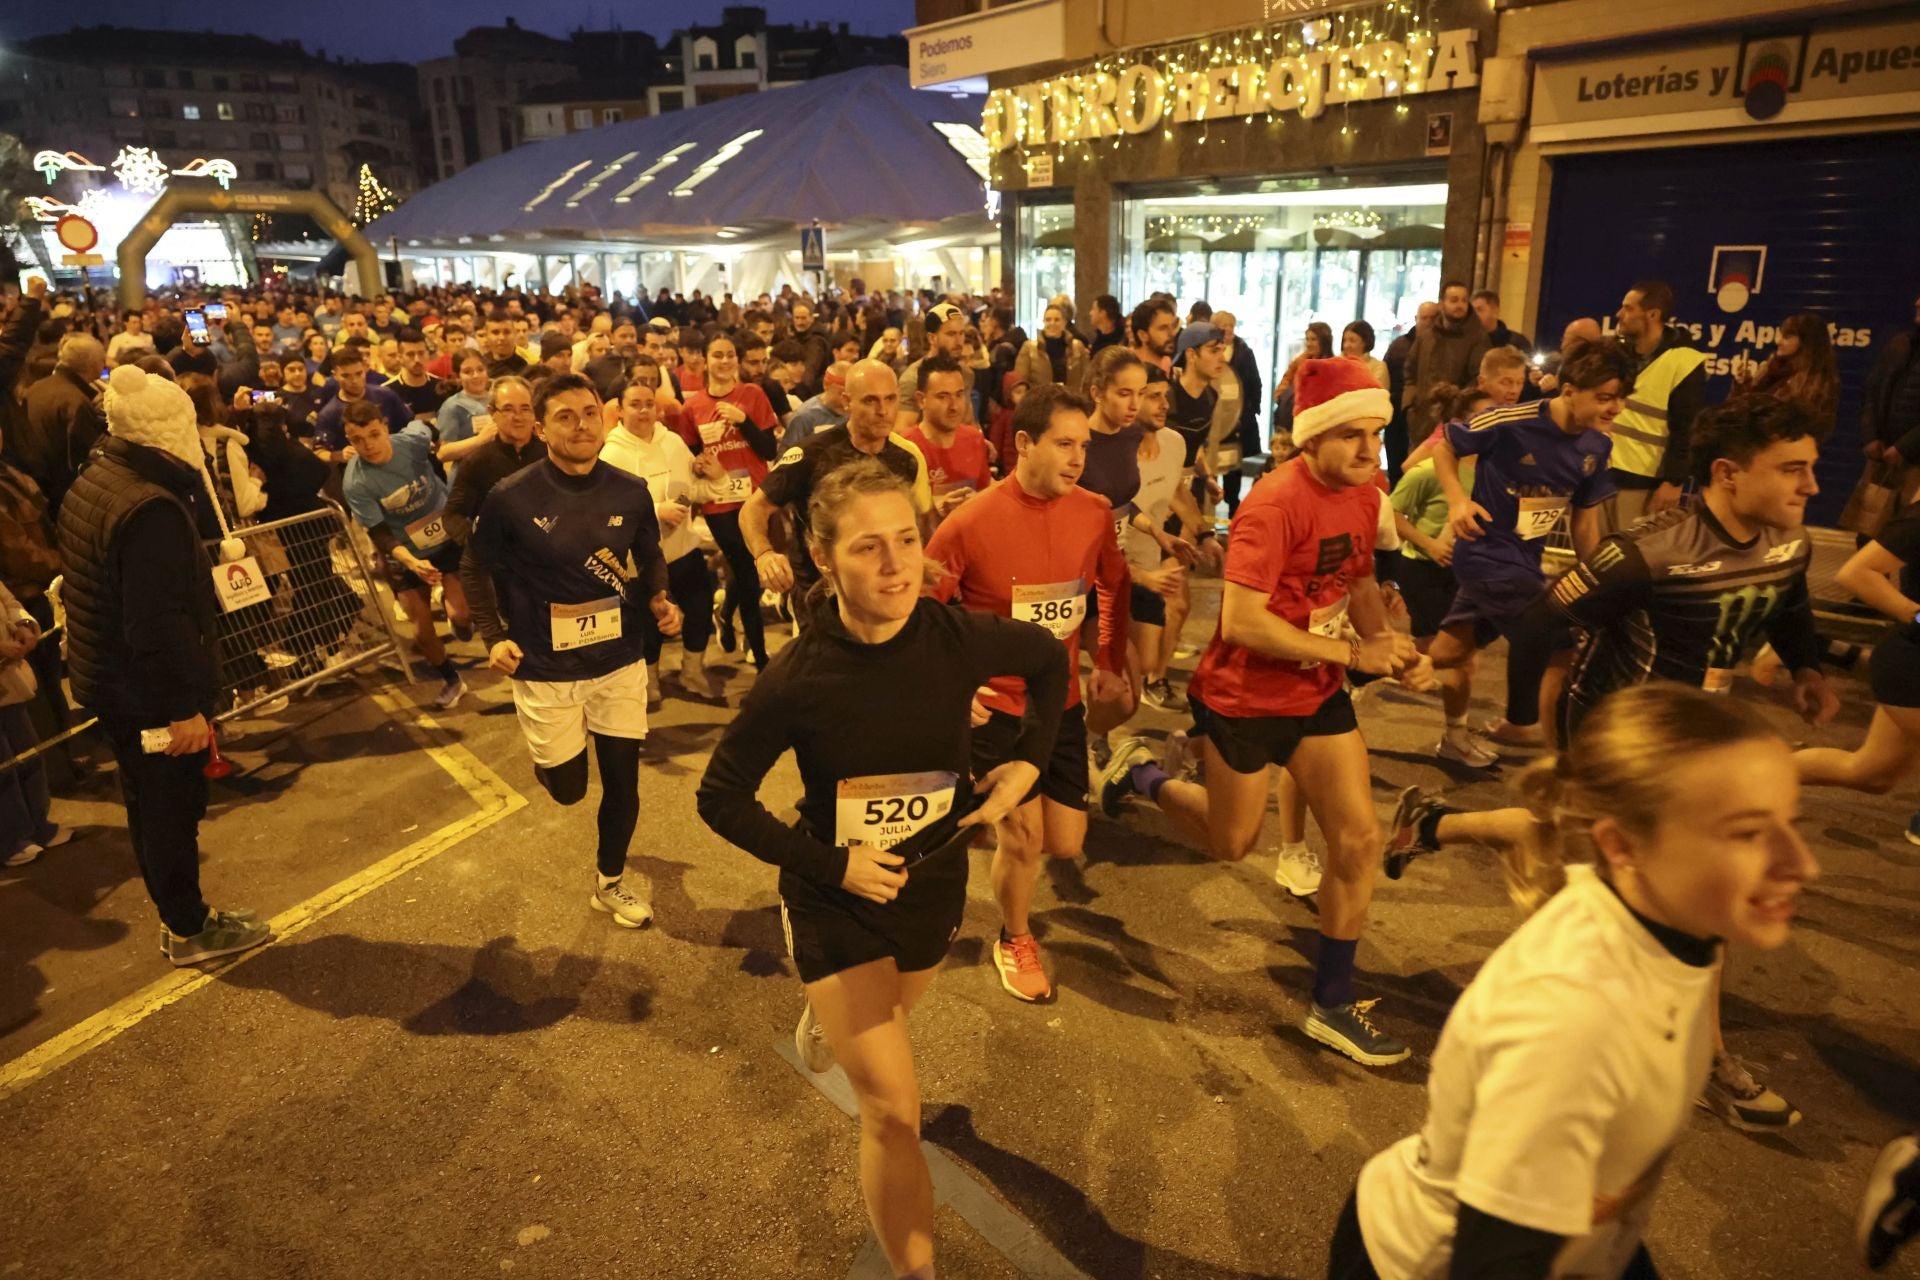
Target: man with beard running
pixel 573 549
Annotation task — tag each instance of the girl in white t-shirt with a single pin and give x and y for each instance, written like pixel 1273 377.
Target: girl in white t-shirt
pixel 1570 1065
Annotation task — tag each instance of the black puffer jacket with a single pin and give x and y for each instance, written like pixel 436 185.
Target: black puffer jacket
pixel 142 621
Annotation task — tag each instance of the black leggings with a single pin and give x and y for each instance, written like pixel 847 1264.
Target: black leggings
pixel 743 580
pixel 619 794
pixel 690 586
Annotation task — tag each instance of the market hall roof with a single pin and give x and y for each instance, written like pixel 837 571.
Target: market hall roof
pixel 859 147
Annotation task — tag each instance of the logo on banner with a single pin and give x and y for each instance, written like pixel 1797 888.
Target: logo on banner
pixel 1736 274
pixel 1770 69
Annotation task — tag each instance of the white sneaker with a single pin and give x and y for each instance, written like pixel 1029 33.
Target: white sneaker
pixel 628 910
pixel 450 694
pixel 1173 755
pixel 26 853
pixel 1460 747
pixel 1298 871
pixel 811 1042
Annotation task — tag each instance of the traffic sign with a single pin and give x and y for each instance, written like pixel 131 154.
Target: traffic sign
pixel 813 249
pixel 76 233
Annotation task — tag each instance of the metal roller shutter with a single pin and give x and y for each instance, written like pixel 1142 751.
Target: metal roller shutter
pixel 1839 222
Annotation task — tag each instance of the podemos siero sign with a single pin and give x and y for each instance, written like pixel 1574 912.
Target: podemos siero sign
pixel 1160 90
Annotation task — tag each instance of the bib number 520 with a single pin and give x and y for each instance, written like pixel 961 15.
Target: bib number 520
pixel 897 809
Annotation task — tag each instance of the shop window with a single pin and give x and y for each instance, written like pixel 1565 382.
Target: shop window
pixel 1046 233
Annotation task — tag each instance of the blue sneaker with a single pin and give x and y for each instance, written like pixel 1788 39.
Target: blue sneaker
pixel 1115 784
pixel 1913 829
pixel 1346 1029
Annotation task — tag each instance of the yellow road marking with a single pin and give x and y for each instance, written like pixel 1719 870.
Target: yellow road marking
pixel 495 800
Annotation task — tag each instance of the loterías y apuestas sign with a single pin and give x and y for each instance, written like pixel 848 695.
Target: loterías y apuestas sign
pixel 1102 104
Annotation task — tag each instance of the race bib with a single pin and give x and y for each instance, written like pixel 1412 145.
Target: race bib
pixel 1122 518
pixel 429 533
pixel 883 809
pixel 1539 517
pixel 1060 607
pixel 576 626
pixel 737 486
pixel 1329 621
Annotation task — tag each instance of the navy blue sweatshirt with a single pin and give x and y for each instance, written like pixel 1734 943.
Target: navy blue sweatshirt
pixel 555 546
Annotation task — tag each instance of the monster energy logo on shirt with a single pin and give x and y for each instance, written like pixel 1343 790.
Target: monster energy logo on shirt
pixel 1740 612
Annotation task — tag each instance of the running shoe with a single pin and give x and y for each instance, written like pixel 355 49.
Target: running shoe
pixel 450 694
pixel 1743 1102
pixel 811 1042
pixel 1298 871
pixel 23 855
pixel 462 628
pixel 1115 786
pixel 1890 1214
pixel 1347 1029
pixel 1403 837
pixel 243 914
pixel 628 910
pixel 1462 749
pixel 1159 694
pixel 1018 963
pixel 1913 829
pixel 225 933
pixel 723 628
pixel 1503 733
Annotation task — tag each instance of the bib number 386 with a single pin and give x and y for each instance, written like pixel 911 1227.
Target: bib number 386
pixel 1060 607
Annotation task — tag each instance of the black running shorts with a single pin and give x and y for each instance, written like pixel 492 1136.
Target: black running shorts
pixel 1064 780
pixel 1250 743
pixel 1149 607
pixel 830 930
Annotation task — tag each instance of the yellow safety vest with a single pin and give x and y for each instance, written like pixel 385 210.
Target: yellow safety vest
pixel 1640 432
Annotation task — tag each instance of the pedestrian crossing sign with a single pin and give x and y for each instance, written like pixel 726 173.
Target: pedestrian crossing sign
pixel 813 249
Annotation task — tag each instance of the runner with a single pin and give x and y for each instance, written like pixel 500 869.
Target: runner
pixel 571 549
pixel 1420 517
pixel 1158 560
pixel 1536 461
pixel 510 443
pixel 1875 574
pixel 1299 609
pixel 1116 383
pixel 946 336
pixel 393 491
pixel 729 426
pixel 873 698
pixel 873 396
pixel 1030 548
pixel 640 446
pixel 954 449
pixel 350 388
pixel 1563 1074
pixel 1682 597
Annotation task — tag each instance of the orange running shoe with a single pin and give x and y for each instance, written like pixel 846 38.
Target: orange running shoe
pixel 1018 960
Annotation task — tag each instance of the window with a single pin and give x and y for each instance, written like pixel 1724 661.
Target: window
pixel 446 148
pixel 583 118
pixel 672 100
pixel 152 79
pixel 296 173
pixel 154 110
pixel 293 142
pixel 266 169
pixel 224 111
pixel 165 138
pixel 439 90
pixel 282 84
pixel 220 84
pixel 611 115
pixel 183 79
pixel 249 84
pixel 260 141
pixel 259 111
pixel 189 112
pixel 122 105
pixel 289 113
pixel 746 52
pixel 118 77
pixel 706 54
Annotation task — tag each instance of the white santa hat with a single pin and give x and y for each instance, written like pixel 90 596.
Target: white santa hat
pixel 144 408
pixel 1329 393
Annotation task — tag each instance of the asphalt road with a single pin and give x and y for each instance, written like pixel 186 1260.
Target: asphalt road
pixel 449 1066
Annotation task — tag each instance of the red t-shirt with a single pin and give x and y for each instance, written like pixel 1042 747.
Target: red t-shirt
pixel 1300 544
pixel 746 467
pixel 1032 558
pixel 964 462
pixel 689 381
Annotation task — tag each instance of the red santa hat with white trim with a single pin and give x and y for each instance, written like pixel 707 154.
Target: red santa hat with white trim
pixel 1328 393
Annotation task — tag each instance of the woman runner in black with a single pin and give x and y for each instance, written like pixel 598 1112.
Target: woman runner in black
pixel 874 699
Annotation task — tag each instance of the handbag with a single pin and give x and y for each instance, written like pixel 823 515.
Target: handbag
pixel 1873 500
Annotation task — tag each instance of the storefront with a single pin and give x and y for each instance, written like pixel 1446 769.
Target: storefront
pixel 1324 168
pixel 1763 170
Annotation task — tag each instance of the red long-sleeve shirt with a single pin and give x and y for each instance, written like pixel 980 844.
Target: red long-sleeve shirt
pixel 1034 559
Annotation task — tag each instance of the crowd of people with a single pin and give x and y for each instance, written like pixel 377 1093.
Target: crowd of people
pixel 947 514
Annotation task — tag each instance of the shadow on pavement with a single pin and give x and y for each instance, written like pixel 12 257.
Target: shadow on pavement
pixel 496 990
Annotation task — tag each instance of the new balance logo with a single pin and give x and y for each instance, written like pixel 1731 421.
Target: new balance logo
pixel 546 523
pixel 1690 570
pixel 613 522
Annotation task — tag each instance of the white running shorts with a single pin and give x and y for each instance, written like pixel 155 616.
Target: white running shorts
pixel 557 715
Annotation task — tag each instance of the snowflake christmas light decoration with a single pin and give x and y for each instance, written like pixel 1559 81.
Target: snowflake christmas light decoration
pixel 140 170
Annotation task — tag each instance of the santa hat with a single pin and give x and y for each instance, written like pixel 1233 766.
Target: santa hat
pixel 146 409
pixel 1328 393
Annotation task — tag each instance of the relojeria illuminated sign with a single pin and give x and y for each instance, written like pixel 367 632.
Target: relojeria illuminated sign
pixel 1226 78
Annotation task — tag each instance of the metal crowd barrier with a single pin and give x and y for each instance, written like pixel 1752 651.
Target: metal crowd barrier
pixel 302 607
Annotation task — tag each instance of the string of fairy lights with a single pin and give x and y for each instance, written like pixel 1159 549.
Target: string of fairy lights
pixel 1409 23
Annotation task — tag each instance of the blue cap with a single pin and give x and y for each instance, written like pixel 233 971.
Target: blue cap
pixel 1197 334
